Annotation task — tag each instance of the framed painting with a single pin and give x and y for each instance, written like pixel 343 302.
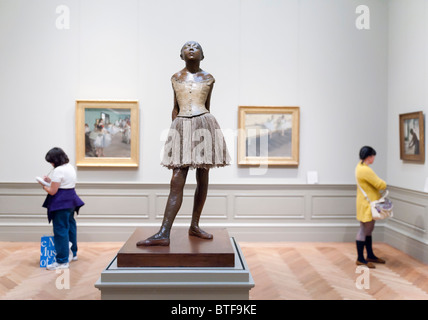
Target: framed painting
pixel 107 133
pixel 412 137
pixel 268 135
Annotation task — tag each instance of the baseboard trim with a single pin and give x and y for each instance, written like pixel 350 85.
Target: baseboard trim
pixel 414 246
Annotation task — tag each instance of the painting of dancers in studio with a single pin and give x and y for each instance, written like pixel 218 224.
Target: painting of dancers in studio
pixel 107 135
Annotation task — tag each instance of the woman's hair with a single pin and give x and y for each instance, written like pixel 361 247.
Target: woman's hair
pixel 366 151
pixel 56 156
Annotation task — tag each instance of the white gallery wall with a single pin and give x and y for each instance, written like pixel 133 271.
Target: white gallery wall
pixel 305 53
pixel 407 84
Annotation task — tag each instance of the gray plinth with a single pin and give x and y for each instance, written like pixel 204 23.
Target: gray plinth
pixel 183 283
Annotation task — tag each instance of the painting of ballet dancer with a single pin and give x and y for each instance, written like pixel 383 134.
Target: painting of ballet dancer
pixel 268 135
pixel 412 137
pixel 107 133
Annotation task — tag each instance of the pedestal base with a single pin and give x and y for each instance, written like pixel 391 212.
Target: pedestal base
pixel 183 251
pixel 177 283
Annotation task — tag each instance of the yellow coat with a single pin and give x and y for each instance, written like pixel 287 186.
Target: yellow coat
pixel 371 184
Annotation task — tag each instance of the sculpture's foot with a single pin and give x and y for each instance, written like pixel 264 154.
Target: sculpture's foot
pixel 155 240
pixel 198 232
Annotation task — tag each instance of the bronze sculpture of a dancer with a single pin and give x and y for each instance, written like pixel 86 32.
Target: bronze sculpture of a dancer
pixel 195 141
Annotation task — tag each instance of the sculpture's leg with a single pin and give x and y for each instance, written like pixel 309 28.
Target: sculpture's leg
pixel 175 199
pixel 202 177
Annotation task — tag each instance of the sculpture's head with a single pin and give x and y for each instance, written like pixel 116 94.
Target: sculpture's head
pixel 192 50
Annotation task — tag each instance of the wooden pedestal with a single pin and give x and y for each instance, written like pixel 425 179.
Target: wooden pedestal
pixel 183 251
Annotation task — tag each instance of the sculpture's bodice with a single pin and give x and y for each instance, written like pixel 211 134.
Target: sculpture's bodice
pixel 191 96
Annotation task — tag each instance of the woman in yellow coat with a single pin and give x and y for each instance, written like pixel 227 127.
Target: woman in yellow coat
pixel 372 185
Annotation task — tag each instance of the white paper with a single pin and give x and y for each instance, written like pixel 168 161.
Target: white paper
pixel 43 181
pixel 312 177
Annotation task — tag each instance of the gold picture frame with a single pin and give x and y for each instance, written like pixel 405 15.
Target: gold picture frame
pixel 412 137
pixel 268 135
pixel 107 133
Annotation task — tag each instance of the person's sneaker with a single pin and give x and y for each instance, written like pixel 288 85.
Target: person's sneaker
pixel 71 258
pixel 70 254
pixel 56 266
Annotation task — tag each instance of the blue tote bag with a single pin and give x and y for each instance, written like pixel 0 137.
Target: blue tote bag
pixel 47 251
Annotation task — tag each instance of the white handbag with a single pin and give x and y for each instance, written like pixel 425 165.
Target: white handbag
pixel 381 208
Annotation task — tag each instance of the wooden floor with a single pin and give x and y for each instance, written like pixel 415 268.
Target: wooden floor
pixel 281 271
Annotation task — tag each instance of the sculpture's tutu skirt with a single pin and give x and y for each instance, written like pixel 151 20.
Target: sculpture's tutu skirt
pixel 196 142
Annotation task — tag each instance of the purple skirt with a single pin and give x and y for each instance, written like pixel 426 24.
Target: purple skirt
pixel 63 199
